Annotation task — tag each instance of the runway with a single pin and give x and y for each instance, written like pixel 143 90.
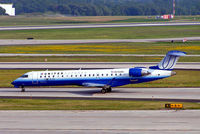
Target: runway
pixel 98 122
pixel 89 65
pixel 98 25
pixel 143 94
pixel 10 42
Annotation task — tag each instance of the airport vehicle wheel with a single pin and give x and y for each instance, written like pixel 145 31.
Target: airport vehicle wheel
pixel 103 91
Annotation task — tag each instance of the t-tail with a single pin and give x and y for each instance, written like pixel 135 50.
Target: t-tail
pixel 169 61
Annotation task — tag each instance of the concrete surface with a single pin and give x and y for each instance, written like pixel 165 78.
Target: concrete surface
pixel 99 25
pixel 117 93
pixel 97 122
pixel 89 65
pixel 6 42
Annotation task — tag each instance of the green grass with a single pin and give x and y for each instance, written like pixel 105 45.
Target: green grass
pixel 105 33
pixel 30 20
pixel 92 59
pixel 105 48
pixel 30 104
pixel 33 21
pixel 184 78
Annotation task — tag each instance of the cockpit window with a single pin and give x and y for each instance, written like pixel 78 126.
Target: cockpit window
pixel 24 76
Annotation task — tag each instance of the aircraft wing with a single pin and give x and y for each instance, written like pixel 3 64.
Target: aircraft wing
pixel 89 84
pixel 93 84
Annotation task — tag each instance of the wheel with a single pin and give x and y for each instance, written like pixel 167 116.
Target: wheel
pixel 103 91
pixel 109 89
pixel 23 89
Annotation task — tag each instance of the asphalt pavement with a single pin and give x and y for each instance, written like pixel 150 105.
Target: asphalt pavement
pixel 98 122
pixel 99 25
pixel 89 65
pixel 10 42
pixel 165 94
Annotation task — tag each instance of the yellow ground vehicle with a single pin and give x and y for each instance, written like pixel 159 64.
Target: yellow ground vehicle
pixel 174 106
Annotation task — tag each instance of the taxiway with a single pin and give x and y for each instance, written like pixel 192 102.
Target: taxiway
pixel 89 65
pixel 157 94
pixel 10 42
pixel 98 122
pixel 99 25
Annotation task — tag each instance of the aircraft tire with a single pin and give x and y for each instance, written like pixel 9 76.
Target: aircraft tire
pixel 23 89
pixel 103 91
pixel 109 89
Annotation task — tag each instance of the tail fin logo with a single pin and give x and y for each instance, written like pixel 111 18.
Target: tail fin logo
pixel 169 60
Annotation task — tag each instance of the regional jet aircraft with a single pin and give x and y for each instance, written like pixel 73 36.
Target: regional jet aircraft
pixel 104 78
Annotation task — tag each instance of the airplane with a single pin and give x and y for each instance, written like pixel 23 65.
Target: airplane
pixel 101 78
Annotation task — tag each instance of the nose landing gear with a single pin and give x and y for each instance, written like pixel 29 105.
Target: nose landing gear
pixel 23 89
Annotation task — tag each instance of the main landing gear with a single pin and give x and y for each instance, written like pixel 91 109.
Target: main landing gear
pixel 23 89
pixel 106 90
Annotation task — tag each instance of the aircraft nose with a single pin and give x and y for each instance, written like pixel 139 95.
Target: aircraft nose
pixel 13 83
pixel 173 73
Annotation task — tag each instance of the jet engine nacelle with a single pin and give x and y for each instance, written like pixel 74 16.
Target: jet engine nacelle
pixel 138 72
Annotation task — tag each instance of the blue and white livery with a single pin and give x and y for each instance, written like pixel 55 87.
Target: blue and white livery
pixel 104 78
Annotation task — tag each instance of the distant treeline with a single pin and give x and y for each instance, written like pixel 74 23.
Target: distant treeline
pixel 106 7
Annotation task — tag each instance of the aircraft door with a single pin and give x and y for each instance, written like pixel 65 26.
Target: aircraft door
pixel 34 78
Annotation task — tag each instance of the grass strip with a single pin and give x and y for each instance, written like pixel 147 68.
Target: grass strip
pixel 184 78
pixel 31 20
pixel 105 33
pixel 32 104
pixel 192 47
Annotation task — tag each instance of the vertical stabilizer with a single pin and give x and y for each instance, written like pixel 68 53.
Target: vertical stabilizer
pixel 169 61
